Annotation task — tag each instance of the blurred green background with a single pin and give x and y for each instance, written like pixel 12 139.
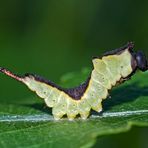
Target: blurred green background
pixel 53 37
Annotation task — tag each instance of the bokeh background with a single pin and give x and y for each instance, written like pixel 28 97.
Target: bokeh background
pixel 53 37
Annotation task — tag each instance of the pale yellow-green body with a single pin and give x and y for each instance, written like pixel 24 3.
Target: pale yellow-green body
pixel 106 73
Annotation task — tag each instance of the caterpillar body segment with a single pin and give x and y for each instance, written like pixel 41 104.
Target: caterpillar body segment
pixel 114 67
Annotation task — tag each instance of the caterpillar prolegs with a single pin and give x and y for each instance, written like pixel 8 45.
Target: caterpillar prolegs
pixel 113 68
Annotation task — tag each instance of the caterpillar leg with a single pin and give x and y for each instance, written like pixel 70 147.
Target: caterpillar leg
pixel 60 109
pixel 97 107
pixel 84 115
pixel 72 109
pixel 84 109
pixel 71 116
pixel 58 114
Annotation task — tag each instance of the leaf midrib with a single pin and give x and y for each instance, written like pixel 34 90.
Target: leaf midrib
pixel 46 117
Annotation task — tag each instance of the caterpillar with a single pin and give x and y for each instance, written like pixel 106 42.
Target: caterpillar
pixel 114 67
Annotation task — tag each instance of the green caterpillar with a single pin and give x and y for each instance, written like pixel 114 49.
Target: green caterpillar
pixel 113 68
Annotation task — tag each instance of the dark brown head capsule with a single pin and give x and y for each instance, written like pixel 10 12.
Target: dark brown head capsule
pixel 141 60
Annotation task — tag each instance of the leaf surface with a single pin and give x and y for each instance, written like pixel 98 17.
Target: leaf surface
pixel 29 123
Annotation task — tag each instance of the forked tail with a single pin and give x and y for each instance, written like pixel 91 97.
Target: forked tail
pixel 10 74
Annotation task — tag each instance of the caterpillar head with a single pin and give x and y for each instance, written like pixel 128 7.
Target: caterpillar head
pixel 141 61
pixel 138 59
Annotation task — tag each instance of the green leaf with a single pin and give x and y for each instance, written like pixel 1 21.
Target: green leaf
pixel 29 123
pixel 75 78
